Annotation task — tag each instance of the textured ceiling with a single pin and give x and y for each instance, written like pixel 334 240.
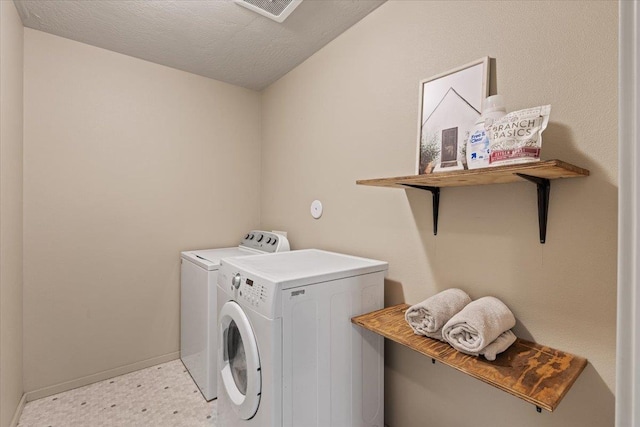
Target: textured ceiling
pixel 215 38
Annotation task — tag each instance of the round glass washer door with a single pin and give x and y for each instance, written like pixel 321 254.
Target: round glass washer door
pixel 240 362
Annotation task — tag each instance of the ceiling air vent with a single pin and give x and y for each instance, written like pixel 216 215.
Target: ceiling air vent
pixel 278 10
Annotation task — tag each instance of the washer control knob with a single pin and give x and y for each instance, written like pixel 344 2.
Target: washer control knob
pixel 236 280
pixel 260 237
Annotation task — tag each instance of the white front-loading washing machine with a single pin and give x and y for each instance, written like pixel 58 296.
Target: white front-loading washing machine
pixel 289 354
pixel 198 307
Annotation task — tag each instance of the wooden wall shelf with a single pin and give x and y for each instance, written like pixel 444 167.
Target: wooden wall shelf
pixel 535 373
pixel 540 173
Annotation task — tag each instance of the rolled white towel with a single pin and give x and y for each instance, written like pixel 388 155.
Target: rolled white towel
pixel 429 316
pixel 479 324
pixel 499 345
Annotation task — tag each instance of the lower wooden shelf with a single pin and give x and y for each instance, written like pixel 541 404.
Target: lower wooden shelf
pixel 535 373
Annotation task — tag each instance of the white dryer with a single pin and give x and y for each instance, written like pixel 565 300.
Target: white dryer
pixel 198 307
pixel 289 354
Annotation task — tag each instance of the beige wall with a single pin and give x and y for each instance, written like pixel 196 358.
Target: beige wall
pixel 11 68
pixel 350 112
pixel 127 163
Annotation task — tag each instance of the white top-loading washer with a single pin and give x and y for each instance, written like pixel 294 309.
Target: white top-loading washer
pixel 198 311
pixel 288 354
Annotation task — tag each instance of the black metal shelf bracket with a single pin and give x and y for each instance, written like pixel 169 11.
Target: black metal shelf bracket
pixel 538 409
pixel 435 192
pixel 544 188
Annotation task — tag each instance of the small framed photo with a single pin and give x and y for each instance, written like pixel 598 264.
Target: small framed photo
pixel 450 104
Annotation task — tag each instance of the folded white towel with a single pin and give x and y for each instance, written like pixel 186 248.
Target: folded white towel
pixel 429 316
pixel 499 345
pixel 479 324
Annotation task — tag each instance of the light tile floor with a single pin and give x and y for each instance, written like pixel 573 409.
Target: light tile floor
pixel 159 396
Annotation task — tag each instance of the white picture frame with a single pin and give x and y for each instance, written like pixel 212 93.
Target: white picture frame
pixel 450 104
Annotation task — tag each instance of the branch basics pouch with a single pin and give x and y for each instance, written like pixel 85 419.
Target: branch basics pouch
pixel 517 137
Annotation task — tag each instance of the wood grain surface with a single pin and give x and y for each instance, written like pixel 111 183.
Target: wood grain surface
pixel 538 374
pixel 550 169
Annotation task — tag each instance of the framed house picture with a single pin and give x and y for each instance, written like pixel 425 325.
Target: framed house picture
pixel 450 104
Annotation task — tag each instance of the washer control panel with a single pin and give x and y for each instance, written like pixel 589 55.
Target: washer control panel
pixel 265 241
pixel 247 291
pixel 253 292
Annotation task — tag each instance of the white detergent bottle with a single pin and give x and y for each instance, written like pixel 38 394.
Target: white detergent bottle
pixel 478 143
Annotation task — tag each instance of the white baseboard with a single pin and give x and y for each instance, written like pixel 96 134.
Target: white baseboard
pixel 16 415
pixel 100 376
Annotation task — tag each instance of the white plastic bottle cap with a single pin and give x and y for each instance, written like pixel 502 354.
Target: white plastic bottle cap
pixel 493 103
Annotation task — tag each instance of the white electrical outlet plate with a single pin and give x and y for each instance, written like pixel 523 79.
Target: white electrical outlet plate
pixel 316 209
